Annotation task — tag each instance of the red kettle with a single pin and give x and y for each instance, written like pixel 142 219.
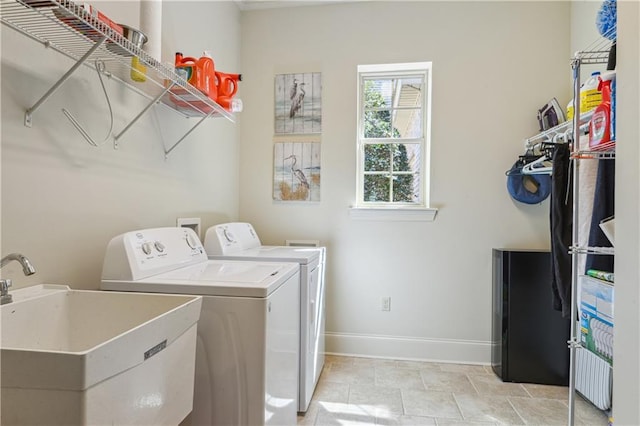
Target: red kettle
pixel 200 73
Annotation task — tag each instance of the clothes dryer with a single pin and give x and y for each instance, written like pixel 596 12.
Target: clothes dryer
pixel 247 348
pixel 239 241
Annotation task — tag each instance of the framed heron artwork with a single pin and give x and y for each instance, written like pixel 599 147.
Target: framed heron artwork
pixel 296 171
pixel 298 103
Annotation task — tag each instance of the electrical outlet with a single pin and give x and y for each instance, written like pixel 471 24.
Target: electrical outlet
pixel 385 304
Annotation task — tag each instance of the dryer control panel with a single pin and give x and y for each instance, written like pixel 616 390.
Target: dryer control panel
pixel 229 238
pixel 139 254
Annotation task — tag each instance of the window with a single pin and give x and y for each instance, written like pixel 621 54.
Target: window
pixel 394 103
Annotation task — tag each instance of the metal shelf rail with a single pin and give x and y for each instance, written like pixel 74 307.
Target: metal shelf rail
pixel 70 30
pixel 599 55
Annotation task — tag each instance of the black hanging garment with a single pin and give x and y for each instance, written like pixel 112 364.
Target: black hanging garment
pixel 561 220
pixel 603 208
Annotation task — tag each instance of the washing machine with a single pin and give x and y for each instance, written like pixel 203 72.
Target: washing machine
pixel 239 241
pixel 247 348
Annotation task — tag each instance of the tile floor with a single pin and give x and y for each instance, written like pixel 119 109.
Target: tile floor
pixel 365 391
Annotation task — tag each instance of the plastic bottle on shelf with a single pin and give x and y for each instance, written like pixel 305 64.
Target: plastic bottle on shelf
pixel 600 124
pixel 570 110
pixel 590 96
pixel 138 70
pixel 613 109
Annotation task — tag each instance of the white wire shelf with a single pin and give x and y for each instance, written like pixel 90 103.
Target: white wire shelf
pixel 69 29
pixel 605 151
pixel 560 133
pixel 608 251
pixel 597 53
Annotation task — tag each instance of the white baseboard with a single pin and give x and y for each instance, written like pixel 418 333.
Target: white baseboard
pixel 409 348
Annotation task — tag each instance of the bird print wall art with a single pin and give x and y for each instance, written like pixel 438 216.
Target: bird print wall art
pixel 296 171
pixel 298 103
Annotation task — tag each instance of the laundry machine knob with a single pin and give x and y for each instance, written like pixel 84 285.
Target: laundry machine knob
pixel 229 236
pixel 191 241
pixel 146 248
pixel 159 246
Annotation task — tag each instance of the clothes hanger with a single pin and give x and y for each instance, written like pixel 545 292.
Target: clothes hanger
pixel 541 166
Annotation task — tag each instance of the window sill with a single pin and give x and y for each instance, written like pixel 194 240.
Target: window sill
pixel 393 214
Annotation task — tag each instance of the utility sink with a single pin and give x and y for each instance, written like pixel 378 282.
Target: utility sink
pixel 75 357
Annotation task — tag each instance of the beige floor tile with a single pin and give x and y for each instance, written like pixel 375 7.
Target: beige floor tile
pixel 547 391
pixel 463 368
pixel 383 400
pixel 588 414
pixel 487 384
pixel 350 373
pixel 332 413
pixel 309 418
pixel 337 359
pixel 393 420
pixel 430 404
pixel 489 369
pixel 420 365
pixel 445 381
pixel 374 362
pixel 451 422
pixel 399 378
pixel 364 391
pixel 327 391
pixel 540 411
pixel 488 408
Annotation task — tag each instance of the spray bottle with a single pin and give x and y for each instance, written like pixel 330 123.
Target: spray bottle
pixel 601 123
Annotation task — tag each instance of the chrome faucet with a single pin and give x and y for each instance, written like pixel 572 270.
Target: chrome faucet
pixel 27 268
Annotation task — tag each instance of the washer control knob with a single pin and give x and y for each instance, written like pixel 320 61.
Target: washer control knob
pixel 229 236
pixel 192 241
pixel 159 246
pixel 146 248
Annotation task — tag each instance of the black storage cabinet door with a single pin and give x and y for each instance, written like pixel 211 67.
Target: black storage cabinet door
pixel 529 337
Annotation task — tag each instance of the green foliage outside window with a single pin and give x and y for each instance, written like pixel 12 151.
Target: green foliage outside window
pixel 390 158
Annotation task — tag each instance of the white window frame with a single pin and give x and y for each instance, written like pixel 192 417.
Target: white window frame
pixel 395 210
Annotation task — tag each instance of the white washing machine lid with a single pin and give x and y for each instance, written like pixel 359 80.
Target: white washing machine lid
pixel 301 255
pixel 214 278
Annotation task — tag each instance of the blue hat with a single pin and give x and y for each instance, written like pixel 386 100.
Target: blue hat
pixel 527 188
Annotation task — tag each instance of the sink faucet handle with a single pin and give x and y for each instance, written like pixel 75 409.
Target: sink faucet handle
pixel 5 297
pixel 4 286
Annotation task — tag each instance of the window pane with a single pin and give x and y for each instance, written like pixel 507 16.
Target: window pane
pixel 377 157
pixel 406 157
pixel 377 124
pixel 376 188
pixel 377 94
pixel 407 118
pixel 404 189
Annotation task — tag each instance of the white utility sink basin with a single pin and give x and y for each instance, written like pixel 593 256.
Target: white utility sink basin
pixel 76 357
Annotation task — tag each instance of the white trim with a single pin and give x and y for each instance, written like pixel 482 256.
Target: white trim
pixel 441 350
pixel 393 214
pixel 386 68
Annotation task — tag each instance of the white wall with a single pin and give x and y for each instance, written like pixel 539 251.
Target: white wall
pixel 626 367
pixel 493 67
pixel 62 200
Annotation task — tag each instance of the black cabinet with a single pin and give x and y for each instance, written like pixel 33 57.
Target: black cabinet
pixel 529 337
